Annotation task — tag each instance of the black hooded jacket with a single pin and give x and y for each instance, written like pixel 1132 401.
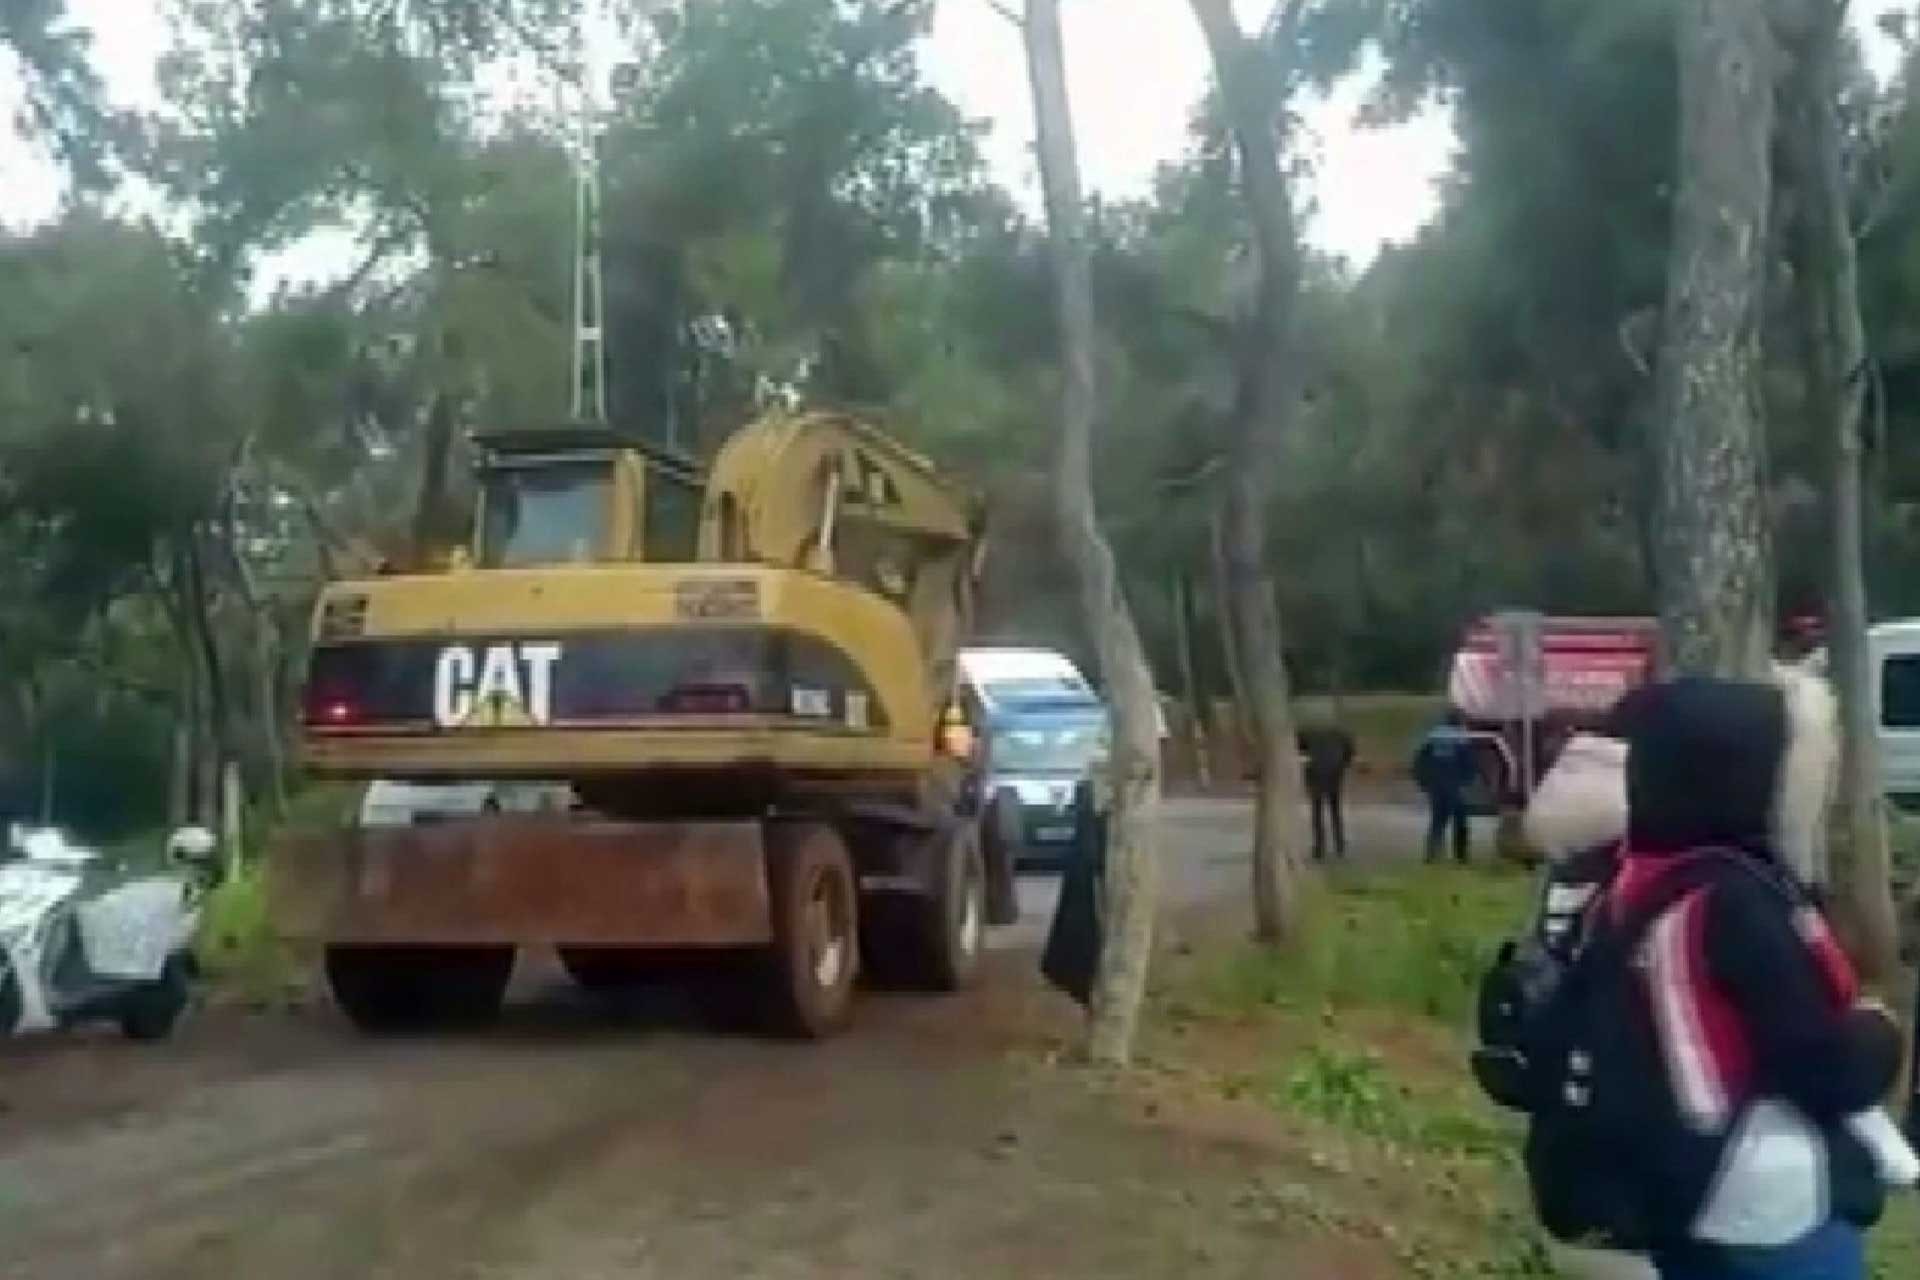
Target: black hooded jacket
pixel 1747 995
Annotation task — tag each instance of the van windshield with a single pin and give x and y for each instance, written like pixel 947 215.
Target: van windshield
pixel 545 513
pixel 1070 746
pixel 1056 689
pixel 1900 692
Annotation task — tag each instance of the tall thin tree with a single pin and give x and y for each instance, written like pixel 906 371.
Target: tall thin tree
pixel 1834 366
pixel 1262 412
pixel 1132 867
pixel 1716 554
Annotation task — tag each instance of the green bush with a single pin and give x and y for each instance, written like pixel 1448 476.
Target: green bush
pixel 237 946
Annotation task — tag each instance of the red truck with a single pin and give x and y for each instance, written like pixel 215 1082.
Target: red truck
pixel 1587 665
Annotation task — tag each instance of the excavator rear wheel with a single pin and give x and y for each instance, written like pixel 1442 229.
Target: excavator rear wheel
pixel 815 956
pixel 606 970
pixel 953 921
pixel 933 942
pixel 390 989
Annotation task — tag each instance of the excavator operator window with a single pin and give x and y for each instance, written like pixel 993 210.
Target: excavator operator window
pixel 544 512
pixel 671 519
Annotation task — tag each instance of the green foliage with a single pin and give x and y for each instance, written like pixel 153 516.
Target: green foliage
pixel 62 103
pixel 1414 941
pixel 237 946
pixel 1357 1092
pixel 774 162
pixel 1352 1037
pixel 1893 1250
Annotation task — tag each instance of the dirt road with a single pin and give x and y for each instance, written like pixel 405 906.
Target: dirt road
pixel 578 1142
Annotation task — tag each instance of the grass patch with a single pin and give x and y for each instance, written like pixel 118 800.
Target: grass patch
pixel 1355 1090
pixel 1355 1039
pixel 1894 1248
pixel 237 946
pixel 1410 941
pixel 1361 1032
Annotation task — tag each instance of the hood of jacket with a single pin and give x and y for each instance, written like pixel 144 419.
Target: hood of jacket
pixel 1747 764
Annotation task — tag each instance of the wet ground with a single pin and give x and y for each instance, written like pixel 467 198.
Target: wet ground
pixel 579 1141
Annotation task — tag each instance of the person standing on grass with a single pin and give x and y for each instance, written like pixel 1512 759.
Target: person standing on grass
pixel 1443 768
pixel 1327 753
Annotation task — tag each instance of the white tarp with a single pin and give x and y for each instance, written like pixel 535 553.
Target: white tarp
pixel 129 932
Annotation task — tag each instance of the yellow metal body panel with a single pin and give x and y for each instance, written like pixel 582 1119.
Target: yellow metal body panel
pixel 578 751
pixel 824 526
pixel 557 601
pixel 776 479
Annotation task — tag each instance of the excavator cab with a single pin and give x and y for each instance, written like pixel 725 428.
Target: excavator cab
pixel 582 496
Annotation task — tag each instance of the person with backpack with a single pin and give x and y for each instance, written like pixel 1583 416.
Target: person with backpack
pixel 1703 1079
pixel 1443 768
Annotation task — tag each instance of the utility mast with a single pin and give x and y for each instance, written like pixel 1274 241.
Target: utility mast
pixel 589 296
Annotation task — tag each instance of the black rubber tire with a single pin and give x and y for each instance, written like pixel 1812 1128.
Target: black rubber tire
pixel 610 970
pixel 152 1011
pixel 393 989
pixel 950 929
pixel 1001 835
pixel 887 956
pixel 10 999
pixel 931 942
pixel 815 957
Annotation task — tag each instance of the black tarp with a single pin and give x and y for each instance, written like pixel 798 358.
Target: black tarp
pixel 1913 1098
pixel 1072 953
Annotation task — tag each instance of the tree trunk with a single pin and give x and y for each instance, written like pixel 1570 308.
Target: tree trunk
pixel 1834 360
pixel 1716 562
pixel 1229 650
pixel 262 622
pixel 436 454
pixel 1262 415
pixel 1132 868
pixel 180 767
pixel 233 834
pixel 1189 677
pixel 196 611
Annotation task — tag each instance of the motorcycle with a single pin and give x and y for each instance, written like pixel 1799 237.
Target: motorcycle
pixel 82 942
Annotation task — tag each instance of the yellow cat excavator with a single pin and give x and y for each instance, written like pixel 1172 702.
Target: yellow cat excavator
pixel 743 679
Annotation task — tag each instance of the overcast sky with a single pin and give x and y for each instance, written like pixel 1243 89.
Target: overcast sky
pixel 1136 69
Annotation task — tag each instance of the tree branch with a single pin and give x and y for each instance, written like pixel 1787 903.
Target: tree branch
pixel 1630 332
pixel 1006 11
pixel 1283 24
pixel 377 254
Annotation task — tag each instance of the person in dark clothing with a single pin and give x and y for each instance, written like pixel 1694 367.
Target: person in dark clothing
pixel 1443 768
pixel 1763 1152
pixel 1327 753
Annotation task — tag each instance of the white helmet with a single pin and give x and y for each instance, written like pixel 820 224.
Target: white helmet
pixel 191 844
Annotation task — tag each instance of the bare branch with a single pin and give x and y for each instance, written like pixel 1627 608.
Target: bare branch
pixel 1006 11
pixel 1633 335
pixel 1283 24
pixel 377 253
pixel 1196 478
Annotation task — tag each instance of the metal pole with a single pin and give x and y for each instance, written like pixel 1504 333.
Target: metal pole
pixel 589 393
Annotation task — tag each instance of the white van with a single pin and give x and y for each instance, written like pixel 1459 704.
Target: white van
pixel 1003 679
pixel 1894 650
